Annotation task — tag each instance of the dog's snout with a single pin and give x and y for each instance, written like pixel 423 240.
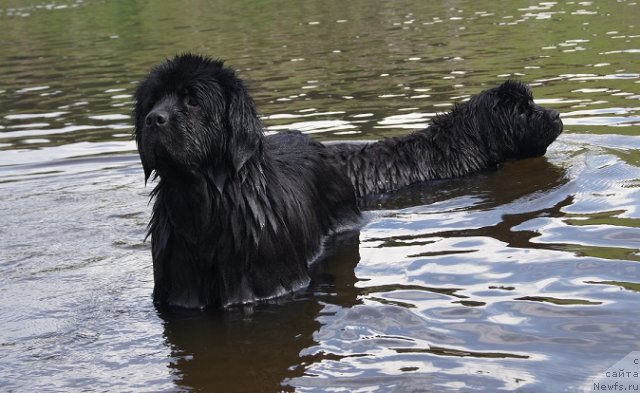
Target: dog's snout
pixel 555 119
pixel 157 117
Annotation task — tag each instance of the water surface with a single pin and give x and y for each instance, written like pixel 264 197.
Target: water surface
pixel 523 279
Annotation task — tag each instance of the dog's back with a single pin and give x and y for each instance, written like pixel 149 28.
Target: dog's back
pixel 310 178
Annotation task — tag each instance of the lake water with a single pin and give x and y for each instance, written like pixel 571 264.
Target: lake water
pixel 524 279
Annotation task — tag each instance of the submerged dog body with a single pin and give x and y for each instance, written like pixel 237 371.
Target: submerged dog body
pixel 238 215
pixel 499 124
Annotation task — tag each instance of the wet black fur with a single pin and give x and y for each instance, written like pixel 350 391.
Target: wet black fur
pixel 237 215
pixel 497 125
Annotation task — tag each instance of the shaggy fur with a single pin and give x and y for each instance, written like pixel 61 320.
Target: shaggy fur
pixel 237 215
pixel 497 125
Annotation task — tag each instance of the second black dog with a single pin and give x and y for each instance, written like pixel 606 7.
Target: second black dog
pixel 499 124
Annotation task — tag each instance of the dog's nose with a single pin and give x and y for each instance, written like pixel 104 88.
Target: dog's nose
pixel 554 116
pixel 157 117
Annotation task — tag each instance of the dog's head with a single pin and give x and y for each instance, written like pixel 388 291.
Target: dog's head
pixel 192 113
pixel 520 128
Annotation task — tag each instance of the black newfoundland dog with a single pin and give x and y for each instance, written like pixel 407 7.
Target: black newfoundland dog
pixel 238 215
pixel 499 124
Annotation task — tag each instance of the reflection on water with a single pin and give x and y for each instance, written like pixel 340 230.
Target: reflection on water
pixel 525 278
pixel 225 351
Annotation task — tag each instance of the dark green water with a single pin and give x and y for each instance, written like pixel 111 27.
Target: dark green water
pixel 525 279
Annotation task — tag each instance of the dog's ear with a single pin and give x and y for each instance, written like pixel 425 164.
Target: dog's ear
pixel 246 129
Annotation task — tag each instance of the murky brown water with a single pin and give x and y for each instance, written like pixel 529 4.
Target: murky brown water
pixel 525 279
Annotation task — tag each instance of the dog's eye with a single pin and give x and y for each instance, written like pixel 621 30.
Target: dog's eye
pixel 192 102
